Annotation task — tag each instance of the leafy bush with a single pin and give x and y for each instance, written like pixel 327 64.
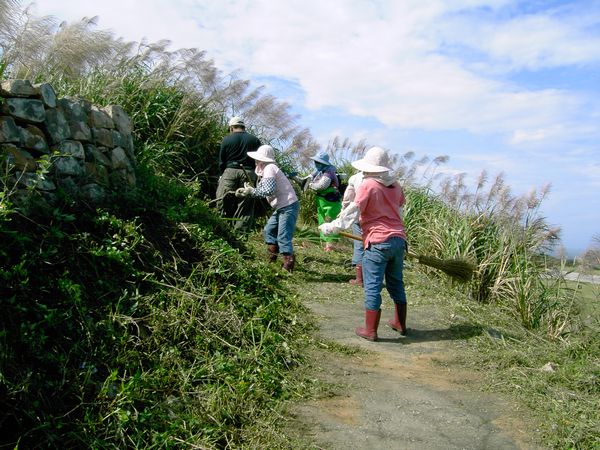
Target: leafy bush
pixel 511 271
pixel 141 326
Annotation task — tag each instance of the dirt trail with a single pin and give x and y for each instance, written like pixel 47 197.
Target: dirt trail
pixel 402 393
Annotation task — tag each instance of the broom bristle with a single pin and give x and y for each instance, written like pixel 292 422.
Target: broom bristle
pixel 456 268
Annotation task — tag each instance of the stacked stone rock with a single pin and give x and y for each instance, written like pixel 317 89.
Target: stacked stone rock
pixel 89 148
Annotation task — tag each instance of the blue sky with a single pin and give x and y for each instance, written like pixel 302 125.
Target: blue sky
pixel 507 86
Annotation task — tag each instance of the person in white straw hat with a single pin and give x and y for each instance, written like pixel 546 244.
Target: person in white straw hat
pixel 236 168
pixel 279 192
pixel 378 204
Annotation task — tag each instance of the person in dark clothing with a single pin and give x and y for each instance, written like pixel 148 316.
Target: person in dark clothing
pixel 236 169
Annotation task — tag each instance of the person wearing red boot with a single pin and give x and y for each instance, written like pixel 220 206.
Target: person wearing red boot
pixel 378 203
pixel 277 189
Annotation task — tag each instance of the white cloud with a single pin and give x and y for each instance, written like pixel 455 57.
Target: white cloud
pixel 474 67
pixel 354 57
pixel 535 42
pixel 378 59
pixel 526 136
pixel 133 20
pixel 591 172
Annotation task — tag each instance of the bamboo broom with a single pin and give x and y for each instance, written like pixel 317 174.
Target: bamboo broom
pixel 458 269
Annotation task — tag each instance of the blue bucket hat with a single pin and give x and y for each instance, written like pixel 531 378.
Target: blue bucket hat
pixel 322 158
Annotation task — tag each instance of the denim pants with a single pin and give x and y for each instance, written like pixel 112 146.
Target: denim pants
pixel 384 261
pixel 280 228
pixel 359 249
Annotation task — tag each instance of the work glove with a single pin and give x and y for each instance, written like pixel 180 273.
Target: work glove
pixel 305 183
pixel 244 191
pixel 328 228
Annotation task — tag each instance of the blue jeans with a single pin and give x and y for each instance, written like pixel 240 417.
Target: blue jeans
pixel 384 261
pixel 280 228
pixel 359 249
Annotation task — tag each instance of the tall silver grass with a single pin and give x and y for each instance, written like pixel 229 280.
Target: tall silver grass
pixel 46 49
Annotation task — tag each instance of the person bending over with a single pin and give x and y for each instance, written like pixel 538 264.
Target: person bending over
pixel 279 192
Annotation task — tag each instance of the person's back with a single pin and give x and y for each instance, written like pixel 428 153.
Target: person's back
pixel 284 194
pixel 236 169
pixel 380 204
pixel 235 148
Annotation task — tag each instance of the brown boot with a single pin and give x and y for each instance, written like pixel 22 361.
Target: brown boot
pixel 369 332
pixel 398 323
pixel 358 281
pixel 288 262
pixel 273 250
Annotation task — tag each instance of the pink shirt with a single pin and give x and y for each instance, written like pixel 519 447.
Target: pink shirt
pixel 379 211
pixel 284 191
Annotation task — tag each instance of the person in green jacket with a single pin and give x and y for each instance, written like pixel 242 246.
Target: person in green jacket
pixel 324 181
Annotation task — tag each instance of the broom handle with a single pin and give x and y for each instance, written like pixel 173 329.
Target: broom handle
pixel 350 235
pixel 359 238
pixel 461 270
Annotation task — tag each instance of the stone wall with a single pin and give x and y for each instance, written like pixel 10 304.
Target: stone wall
pixel 70 144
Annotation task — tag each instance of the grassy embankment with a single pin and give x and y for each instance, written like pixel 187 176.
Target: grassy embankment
pixel 146 324
pixel 143 322
pixel 143 326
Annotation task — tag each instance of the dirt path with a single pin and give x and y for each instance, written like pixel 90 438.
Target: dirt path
pixel 398 393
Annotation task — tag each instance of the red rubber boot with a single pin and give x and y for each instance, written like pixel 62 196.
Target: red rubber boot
pixel 398 323
pixel 273 250
pixel 369 332
pixel 358 281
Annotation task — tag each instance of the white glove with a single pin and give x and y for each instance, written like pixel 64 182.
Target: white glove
pixel 243 191
pixel 305 183
pixel 328 228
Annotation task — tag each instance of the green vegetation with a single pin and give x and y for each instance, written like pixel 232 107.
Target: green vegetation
pixel 140 327
pixel 554 380
pixel 147 324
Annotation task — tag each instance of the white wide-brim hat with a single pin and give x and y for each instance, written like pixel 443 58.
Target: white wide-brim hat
pixel 375 160
pixel 263 153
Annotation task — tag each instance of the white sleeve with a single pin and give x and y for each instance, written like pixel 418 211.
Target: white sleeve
pixel 320 182
pixel 349 195
pixel 347 216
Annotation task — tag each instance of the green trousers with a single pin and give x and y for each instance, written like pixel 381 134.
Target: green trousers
pixel 326 212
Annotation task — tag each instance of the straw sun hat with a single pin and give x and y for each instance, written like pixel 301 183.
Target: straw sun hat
pixel 263 153
pixel 375 160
